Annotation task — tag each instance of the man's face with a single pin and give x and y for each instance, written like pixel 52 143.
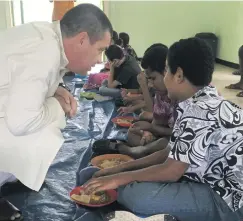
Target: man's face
pixel 82 55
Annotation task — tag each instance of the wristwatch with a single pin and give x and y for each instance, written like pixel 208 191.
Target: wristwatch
pixel 64 86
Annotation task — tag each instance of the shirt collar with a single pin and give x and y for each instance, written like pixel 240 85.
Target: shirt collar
pixel 57 29
pixel 208 91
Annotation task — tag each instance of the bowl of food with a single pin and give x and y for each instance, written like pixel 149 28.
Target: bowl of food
pixel 88 95
pixel 97 199
pixel 110 160
pixel 123 121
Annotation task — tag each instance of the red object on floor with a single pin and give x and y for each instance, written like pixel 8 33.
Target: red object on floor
pixel 121 124
pixel 111 193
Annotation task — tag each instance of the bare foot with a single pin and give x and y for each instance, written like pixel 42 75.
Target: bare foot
pixel 237 86
pixel 236 72
pixel 134 152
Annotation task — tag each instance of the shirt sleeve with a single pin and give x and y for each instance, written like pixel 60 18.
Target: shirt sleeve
pixel 28 109
pixel 191 137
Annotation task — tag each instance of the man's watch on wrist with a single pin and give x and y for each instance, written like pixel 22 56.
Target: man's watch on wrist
pixel 64 86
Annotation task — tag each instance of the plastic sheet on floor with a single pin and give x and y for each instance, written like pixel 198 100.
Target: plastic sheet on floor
pixel 52 202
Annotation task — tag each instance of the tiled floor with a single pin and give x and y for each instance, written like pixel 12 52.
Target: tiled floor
pixel 222 77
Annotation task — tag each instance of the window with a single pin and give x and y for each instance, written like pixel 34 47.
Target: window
pixel 25 11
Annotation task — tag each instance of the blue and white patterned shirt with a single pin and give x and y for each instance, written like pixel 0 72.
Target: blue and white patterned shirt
pixel 208 135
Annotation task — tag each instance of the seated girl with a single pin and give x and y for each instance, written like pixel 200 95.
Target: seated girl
pixel 201 179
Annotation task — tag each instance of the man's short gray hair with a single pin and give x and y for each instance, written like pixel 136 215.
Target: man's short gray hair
pixel 85 18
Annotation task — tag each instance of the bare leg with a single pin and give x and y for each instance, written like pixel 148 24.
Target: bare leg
pixel 142 151
pixel 133 139
pixel 240 94
pixel 239 85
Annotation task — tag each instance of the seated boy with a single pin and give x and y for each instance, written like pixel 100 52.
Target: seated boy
pixel 128 48
pixel 123 72
pixel 202 177
pixel 160 122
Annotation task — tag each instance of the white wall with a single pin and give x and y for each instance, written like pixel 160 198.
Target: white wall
pixel 5 15
pixel 149 22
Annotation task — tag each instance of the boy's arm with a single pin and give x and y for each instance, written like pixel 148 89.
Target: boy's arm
pixel 170 171
pixel 151 160
pixel 147 116
pixel 145 90
pixel 111 82
pixel 160 130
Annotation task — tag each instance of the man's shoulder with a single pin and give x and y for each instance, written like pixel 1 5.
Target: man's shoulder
pixel 31 37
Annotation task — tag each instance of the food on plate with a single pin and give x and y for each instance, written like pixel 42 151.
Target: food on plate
pixel 89 95
pixel 95 198
pixel 124 121
pixel 108 163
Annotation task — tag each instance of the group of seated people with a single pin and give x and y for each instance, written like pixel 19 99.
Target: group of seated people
pixel 187 140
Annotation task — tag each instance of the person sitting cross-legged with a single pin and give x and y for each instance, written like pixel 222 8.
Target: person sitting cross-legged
pixel 143 135
pixel 201 179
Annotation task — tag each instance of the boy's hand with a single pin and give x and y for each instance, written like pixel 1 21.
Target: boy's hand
pixel 125 110
pixel 115 63
pixel 142 79
pixel 107 172
pixel 103 183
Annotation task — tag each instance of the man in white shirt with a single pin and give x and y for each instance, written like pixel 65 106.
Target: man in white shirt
pixel 33 59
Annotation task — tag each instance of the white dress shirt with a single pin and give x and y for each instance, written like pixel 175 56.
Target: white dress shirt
pixel 32 62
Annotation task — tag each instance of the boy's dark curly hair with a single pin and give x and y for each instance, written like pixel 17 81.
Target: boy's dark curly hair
pixel 114 52
pixel 195 58
pixel 155 58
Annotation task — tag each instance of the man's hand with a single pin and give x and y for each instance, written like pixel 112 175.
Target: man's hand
pixel 70 108
pixel 66 107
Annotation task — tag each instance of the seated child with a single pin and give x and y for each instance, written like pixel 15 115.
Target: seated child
pixel 128 49
pixel 156 124
pixel 138 102
pixel 123 72
pixel 201 179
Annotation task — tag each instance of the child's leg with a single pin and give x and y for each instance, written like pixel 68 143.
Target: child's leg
pixel 133 139
pixel 142 151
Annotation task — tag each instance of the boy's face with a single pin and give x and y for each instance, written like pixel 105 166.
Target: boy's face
pixel 117 62
pixel 156 80
pixel 174 83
